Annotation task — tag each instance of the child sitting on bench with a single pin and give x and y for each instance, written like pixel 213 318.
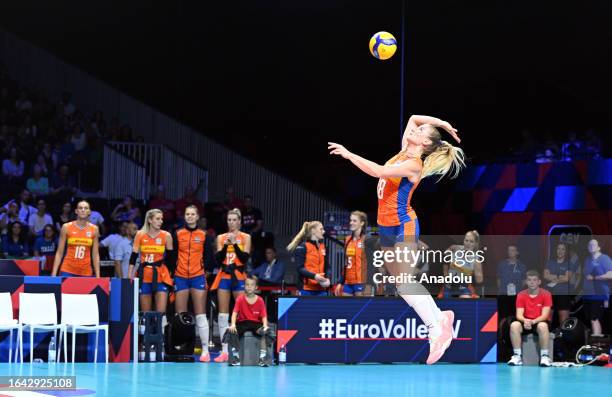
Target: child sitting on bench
pixel 249 315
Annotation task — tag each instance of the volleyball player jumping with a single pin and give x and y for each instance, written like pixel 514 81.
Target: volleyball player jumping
pixel 423 154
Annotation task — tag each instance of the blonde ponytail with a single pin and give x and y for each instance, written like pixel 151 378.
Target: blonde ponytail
pixel 302 235
pixel 442 159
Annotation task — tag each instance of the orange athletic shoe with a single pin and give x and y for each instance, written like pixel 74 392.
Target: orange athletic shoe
pixel 205 358
pixel 222 358
pixel 439 344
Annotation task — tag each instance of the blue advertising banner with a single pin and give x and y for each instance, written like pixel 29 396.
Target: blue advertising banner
pixel 378 329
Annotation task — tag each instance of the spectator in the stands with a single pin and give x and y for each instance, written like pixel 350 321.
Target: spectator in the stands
pixel 120 247
pixel 10 214
pixel 13 167
pixel 253 224
pixel 188 199
pixel 66 104
pixel 39 219
pixel 271 271
pixel 67 215
pixel 66 150
pixel 160 202
pixel 126 211
pixel 15 243
pixel 50 157
pixel 231 201
pixel 98 124
pixel 25 209
pixel 97 219
pixel 78 138
pixel 38 184
pixel 45 247
pixel 63 184
pixel 44 170
pixel 252 221
pixel 573 149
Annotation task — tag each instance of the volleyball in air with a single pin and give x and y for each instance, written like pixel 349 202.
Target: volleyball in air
pixel 383 45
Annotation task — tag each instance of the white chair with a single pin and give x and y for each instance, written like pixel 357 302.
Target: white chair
pixel 38 313
pixel 80 315
pixel 7 322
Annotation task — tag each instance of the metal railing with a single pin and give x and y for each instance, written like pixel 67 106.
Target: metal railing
pixel 161 166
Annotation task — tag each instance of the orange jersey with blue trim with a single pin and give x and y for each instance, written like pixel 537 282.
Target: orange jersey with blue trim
pixel 356 263
pixel 394 196
pixel 78 255
pixel 152 250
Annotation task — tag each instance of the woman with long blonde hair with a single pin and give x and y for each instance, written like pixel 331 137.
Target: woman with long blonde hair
pixel 423 154
pixel 233 252
pixel 309 251
pixel 154 246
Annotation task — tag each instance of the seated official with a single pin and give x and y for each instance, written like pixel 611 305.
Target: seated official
pixel 533 307
pixel 271 271
pixel 249 315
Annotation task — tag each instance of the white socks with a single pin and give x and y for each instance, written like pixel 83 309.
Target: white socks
pixel 202 324
pixel 223 326
pixel 427 310
pixel 517 352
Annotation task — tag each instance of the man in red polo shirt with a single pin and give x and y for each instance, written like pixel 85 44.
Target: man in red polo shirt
pixel 533 307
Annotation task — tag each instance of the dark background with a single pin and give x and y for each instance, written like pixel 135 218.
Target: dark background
pixel 276 80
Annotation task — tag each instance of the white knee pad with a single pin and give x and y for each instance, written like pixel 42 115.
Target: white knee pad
pixel 223 319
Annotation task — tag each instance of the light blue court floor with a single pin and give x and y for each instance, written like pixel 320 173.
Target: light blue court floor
pixel 195 379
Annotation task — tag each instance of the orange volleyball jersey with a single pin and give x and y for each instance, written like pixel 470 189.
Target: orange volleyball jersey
pixel 152 250
pixel 78 255
pixel 190 250
pixel 356 266
pixel 394 196
pixel 230 256
pixel 314 263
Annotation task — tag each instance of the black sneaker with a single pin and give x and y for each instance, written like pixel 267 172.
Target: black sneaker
pixel 263 362
pixel 234 361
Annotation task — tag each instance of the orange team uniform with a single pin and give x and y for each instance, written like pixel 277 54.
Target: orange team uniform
pixel 152 251
pixel 396 218
pixel 231 259
pixel 356 265
pixel 78 255
pixel 190 247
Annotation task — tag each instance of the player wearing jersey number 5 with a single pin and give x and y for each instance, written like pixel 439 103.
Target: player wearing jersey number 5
pixel 81 237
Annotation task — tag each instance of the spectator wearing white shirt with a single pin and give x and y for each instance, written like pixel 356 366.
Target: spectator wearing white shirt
pixel 39 219
pixel 25 209
pixel 120 247
pixel 10 214
pixel 78 138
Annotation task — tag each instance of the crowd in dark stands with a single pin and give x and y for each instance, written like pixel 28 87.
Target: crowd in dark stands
pixel 51 154
pixel 586 145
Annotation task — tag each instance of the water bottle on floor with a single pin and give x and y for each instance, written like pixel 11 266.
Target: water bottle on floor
pixel 52 355
pixel 282 355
